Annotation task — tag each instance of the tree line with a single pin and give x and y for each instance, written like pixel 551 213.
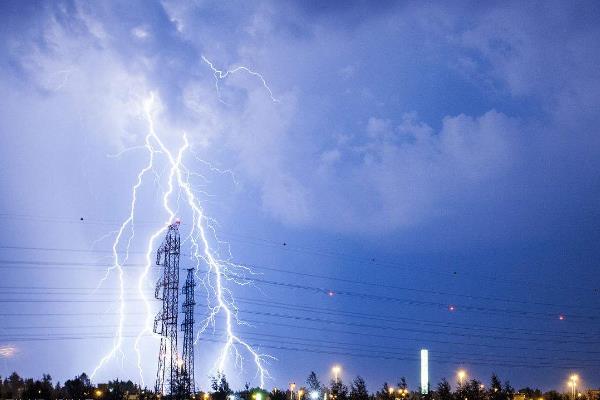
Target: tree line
pixel 81 388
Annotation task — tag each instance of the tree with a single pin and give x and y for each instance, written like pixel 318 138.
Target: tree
pixel 245 393
pixel 30 389
pixel 495 390
pixel 278 395
pixel 59 392
pixel 314 385
pixel 14 385
pixel 471 390
pixel 78 388
pixel 220 387
pixel 443 391
pixel 402 384
pixel 384 393
pixel 47 392
pixel 507 391
pixel 358 389
pixel 118 389
pixel 337 390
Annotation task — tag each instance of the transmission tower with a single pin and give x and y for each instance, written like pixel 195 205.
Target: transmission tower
pixel 187 369
pixel 165 322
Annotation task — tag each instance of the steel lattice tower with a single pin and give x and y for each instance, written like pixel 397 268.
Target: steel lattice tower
pixel 165 322
pixel 187 369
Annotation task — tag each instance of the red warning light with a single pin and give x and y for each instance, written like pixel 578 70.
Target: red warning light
pixel 561 317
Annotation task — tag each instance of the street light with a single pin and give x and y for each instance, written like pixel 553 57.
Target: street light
pixel 292 388
pixel 391 390
pixel 461 376
pixel 300 393
pixel 573 383
pixel 336 372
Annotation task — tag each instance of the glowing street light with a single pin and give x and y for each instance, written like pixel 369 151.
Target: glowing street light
pixel 314 395
pixel 462 375
pixel 336 372
pixel 573 383
pixel 391 390
pixel 300 393
pixel 292 388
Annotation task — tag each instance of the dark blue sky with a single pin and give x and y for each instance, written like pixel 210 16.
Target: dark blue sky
pixel 416 157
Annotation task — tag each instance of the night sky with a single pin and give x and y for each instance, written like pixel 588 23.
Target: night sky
pixel 410 175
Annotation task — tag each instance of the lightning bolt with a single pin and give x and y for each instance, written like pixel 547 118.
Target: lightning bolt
pixel 220 271
pixel 220 75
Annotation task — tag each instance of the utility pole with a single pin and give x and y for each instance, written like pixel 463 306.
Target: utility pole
pixel 165 322
pixel 187 368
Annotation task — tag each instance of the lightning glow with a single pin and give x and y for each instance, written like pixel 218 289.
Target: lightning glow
pixel 219 272
pixel 7 351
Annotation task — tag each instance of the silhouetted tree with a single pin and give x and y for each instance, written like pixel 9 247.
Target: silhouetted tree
pixel 337 390
pixel 384 393
pixel 30 389
pixel 118 389
pixel 495 392
pixel 220 387
pixel 402 384
pixel 443 391
pixel 13 386
pixel 313 383
pixel 507 391
pixel 358 389
pixel 278 395
pixel 58 391
pixel 245 393
pixel 471 390
pixel 78 388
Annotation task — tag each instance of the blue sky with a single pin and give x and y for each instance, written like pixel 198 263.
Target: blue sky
pixel 425 154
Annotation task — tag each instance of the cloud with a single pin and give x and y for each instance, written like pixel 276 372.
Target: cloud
pixel 390 169
pixel 407 172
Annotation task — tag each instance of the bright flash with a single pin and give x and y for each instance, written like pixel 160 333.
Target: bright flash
pixel 221 272
pixel 7 351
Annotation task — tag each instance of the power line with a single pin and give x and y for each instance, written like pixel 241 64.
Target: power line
pixel 318 350
pixel 396 319
pixel 523 313
pixel 288 247
pixel 407 329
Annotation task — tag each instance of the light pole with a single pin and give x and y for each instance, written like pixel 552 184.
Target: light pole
pixel 573 383
pixel 336 372
pixel 461 376
pixel 292 388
